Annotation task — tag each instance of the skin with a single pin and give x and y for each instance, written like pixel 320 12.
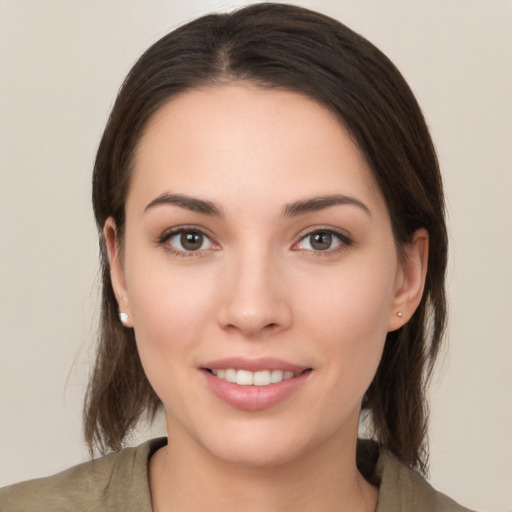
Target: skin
pixel 259 286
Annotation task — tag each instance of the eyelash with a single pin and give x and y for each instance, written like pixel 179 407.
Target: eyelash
pixel 343 241
pixel 168 235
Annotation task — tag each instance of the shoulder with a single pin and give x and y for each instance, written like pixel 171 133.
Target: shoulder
pixel 107 483
pixel 402 489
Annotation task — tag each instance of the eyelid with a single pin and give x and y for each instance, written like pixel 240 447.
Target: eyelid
pixel 342 236
pixel 171 232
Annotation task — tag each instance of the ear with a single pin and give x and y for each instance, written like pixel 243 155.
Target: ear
pixel 116 269
pixel 410 280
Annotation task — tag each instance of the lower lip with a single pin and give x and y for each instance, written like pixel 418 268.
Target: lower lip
pixel 254 398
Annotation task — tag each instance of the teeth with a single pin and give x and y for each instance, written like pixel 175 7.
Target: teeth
pixel 276 376
pixel 231 375
pixel 247 378
pixel 262 378
pixel 244 378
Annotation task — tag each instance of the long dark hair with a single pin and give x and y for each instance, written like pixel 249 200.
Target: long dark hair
pixel 291 48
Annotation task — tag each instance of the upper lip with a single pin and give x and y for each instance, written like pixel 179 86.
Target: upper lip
pixel 254 365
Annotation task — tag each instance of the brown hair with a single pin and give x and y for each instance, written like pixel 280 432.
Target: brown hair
pixel 285 47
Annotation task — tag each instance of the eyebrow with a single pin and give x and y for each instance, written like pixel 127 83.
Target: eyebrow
pixel 189 203
pixel 294 209
pixel 315 204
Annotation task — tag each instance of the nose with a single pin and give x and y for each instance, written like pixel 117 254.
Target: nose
pixel 254 297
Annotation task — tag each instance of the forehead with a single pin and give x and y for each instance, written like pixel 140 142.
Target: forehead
pixel 241 143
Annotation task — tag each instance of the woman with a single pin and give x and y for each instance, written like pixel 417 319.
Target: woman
pixel 271 221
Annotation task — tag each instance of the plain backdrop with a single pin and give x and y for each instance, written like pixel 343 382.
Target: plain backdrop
pixel 61 63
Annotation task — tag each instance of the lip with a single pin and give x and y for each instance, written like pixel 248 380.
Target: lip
pixel 254 398
pixel 254 365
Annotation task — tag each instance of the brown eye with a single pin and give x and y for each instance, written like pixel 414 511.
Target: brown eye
pixel 191 241
pixel 323 241
pixel 188 241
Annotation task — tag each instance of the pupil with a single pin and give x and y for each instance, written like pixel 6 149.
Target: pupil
pixel 191 241
pixel 321 241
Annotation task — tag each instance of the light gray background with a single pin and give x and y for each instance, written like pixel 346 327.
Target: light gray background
pixel 61 63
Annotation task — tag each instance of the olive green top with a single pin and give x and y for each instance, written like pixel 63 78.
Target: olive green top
pixel 119 482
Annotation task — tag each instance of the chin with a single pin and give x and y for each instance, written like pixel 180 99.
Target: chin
pixel 258 453
pixel 264 444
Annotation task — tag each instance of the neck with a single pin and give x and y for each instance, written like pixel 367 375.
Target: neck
pixel 184 477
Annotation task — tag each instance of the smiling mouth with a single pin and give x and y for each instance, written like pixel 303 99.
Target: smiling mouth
pixel 259 378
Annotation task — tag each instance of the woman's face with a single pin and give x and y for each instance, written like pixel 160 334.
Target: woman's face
pixel 258 248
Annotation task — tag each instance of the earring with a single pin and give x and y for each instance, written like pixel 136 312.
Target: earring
pixel 400 314
pixel 123 317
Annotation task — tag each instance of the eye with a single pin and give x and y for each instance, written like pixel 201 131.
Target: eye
pixel 187 241
pixel 322 240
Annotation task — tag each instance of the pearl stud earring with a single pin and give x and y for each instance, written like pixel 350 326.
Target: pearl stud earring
pixel 123 317
pixel 400 314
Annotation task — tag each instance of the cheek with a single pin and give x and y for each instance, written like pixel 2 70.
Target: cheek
pixel 355 297
pixel 170 316
pixel 170 307
pixel 347 313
